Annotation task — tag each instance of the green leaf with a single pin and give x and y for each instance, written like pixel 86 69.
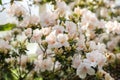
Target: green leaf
pixel 0 1
pixel 7 26
pixel 38 78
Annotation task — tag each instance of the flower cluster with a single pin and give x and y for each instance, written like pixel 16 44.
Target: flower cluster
pixel 72 42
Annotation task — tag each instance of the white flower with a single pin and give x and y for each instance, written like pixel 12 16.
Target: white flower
pixel 17 10
pixel 89 18
pixel 47 64
pixel 70 27
pixel 48 18
pixel 58 29
pixel 109 3
pixel 96 58
pixel 43 64
pixel 116 28
pixel 30 21
pixel 76 60
pixel 36 35
pixel 63 39
pixel 40 57
pixel 51 38
pixel 28 32
pixel 100 46
pixel 4 44
pixel 112 27
pixel 113 43
pixel 81 42
pixel 62 7
pixel 34 20
pixel 84 69
pixel 38 63
pixel 109 26
pixel 46 31
pixel 92 45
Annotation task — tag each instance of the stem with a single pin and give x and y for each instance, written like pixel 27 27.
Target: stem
pixel 44 50
pixel 41 48
pixel 20 77
pixel 54 67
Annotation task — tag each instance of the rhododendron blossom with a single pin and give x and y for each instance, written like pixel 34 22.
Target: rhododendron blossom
pixel 17 10
pixel 4 45
pixel 63 38
pixel 89 18
pixel 30 21
pixel 60 40
pixel 76 61
pixel 97 58
pixel 36 35
pixel 44 64
pixel 84 69
pixel 48 18
pixel 58 29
